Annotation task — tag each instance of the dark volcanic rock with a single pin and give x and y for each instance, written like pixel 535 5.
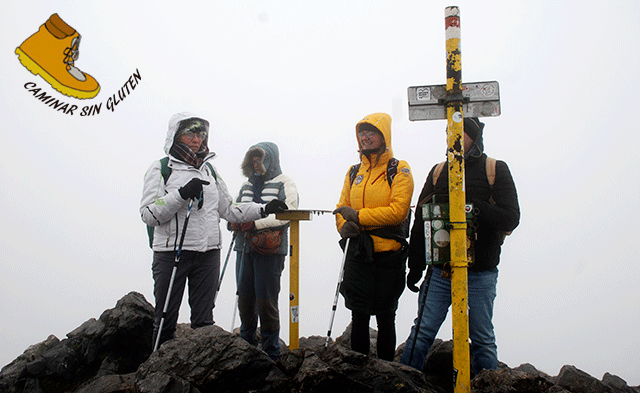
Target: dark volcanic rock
pixel 577 381
pixel 113 355
pixel 507 380
pixel 210 359
pixel 116 343
pixel 378 375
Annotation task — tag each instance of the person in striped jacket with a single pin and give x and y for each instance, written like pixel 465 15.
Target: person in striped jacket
pixel 258 269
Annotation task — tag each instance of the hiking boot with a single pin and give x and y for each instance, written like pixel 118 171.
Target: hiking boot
pixel 51 53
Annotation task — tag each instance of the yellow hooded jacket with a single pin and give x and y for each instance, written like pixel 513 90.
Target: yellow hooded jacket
pixel 378 204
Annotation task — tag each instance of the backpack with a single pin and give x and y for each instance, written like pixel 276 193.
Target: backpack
pixel 392 170
pixel 491 178
pixel 165 171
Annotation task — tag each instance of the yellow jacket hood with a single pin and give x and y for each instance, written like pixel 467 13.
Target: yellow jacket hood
pixel 379 204
pixel 382 122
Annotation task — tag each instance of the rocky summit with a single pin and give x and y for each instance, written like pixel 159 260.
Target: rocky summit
pixel 113 355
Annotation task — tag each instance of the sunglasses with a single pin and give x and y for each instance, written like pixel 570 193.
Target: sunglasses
pixel 367 133
pixel 190 135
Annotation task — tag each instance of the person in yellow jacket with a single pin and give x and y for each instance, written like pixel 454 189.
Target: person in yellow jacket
pixel 373 213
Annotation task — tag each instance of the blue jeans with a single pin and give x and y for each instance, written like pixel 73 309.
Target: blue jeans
pixel 258 278
pixel 482 293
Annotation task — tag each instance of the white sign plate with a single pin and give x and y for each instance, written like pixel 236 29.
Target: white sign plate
pixel 480 99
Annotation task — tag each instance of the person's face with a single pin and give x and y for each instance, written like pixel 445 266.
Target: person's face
pixel 257 166
pixel 468 142
pixel 193 139
pixel 370 140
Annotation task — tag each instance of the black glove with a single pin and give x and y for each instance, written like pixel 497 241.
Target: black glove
pixel 412 279
pixel 477 203
pixel 348 213
pixel 275 206
pixel 192 189
pixel 349 229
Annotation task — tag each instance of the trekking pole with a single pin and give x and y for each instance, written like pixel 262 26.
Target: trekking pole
pixel 423 300
pixel 239 272
pixel 335 299
pixel 233 239
pixel 235 311
pixel 173 275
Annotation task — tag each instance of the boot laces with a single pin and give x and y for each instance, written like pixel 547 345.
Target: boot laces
pixel 72 53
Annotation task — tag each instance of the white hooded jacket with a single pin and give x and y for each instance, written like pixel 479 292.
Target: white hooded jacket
pixel 163 208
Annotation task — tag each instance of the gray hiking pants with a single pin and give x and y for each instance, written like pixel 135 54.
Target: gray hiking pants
pixel 202 270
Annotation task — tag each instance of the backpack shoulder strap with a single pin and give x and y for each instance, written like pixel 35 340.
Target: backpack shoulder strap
pixel 392 169
pixel 438 171
pixel 491 178
pixel 353 171
pixel 491 171
pixel 490 167
pixel 213 172
pixel 165 171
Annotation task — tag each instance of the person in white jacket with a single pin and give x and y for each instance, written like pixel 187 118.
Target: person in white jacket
pixel 164 207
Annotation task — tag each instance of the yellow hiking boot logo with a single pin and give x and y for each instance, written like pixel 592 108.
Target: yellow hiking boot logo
pixel 51 53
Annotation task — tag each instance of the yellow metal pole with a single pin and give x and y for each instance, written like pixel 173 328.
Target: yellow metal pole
pixel 294 279
pixel 455 158
pixel 294 217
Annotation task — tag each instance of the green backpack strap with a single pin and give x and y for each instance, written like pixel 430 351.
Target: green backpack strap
pixel 213 172
pixel 165 171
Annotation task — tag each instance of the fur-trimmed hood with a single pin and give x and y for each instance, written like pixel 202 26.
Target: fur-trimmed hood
pixel 269 156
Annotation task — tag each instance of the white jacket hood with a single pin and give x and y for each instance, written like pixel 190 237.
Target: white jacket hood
pixel 174 122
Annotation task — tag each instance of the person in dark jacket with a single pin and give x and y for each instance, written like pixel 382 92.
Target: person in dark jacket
pixel 498 212
pixel 369 212
pixel 258 271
